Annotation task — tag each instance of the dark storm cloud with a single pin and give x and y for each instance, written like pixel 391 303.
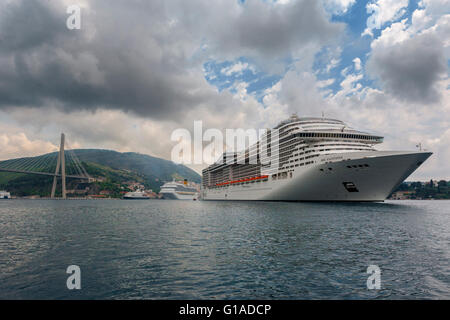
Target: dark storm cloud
pixel 116 60
pixel 137 55
pixel 262 29
pixel 288 28
pixel 27 25
pixel 411 69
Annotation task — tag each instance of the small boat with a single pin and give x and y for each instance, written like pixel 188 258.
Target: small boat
pixel 5 195
pixel 136 195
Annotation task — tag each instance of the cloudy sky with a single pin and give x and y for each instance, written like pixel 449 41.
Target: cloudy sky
pixel 137 70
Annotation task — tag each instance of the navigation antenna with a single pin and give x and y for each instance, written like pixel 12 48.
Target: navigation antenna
pixel 419 146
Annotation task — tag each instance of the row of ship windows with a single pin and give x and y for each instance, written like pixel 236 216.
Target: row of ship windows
pixel 307 124
pixel 306 163
pixel 348 144
pixel 281 175
pixel 337 135
pixel 325 124
pixel 284 157
pixel 345 147
pixel 307 157
pixel 358 166
pixel 352 166
pixel 339 143
pixel 298 165
pixel 302 164
pixel 285 175
pixel 239 183
pixel 325 143
pixel 321 150
pixel 290 140
pixel 287 154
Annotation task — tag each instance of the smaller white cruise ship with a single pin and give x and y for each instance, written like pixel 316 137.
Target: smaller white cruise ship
pixel 136 195
pixel 179 191
pixel 5 195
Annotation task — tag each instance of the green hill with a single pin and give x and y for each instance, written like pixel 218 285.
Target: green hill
pixel 114 168
pixel 149 166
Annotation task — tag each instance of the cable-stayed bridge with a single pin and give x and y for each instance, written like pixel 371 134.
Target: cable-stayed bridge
pixel 61 165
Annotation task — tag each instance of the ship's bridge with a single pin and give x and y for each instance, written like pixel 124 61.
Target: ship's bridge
pixel 309 121
pixel 320 129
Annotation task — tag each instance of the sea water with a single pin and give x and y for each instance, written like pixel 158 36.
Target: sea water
pixel 169 249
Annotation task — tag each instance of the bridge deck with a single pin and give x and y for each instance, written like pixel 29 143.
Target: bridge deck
pixel 43 173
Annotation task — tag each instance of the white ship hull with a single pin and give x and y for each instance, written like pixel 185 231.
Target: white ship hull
pixel 380 174
pixel 5 195
pixel 136 195
pixel 136 198
pixel 178 196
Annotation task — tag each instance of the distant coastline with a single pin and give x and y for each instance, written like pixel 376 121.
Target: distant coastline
pixel 431 190
pixel 409 190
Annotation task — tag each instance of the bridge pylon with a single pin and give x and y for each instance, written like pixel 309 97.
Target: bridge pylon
pixel 60 165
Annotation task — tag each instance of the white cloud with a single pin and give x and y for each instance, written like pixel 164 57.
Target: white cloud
pixel 350 85
pixel 420 19
pixel 410 60
pixel 333 64
pixel 238 68
pixel 338 6
pixel 241 90
pixel 325 83
pixel 17 145
pixel 357 62
pixel 436 7
pixel 383 11
pixel 395 33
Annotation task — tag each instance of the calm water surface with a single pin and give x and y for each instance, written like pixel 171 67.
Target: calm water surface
pixel 223 250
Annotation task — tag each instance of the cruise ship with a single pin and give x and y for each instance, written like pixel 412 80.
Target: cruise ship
pixel 310 159
pixel 179 191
